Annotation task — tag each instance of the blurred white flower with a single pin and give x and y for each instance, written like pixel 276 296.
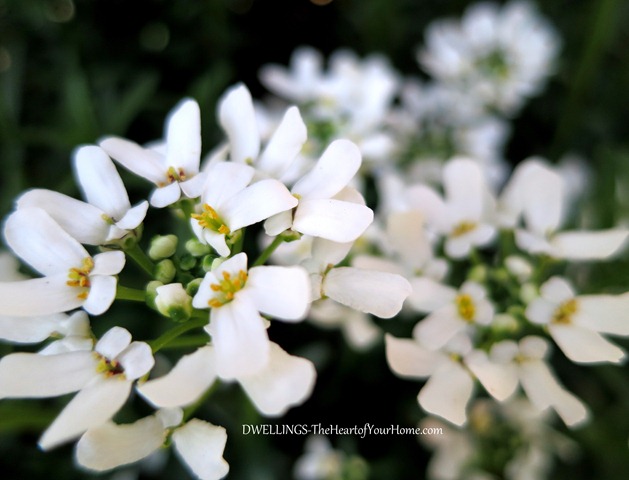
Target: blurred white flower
pixel 102 377
pixel 499 55
pixel 575 322
pixel 107 216
pixel 72 278
pixel 198 444
pixel 465 217
pixel 536 194
pixel 173 166
pixel 237 297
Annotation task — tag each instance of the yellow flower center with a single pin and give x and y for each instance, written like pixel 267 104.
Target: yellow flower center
pixel 466 307
pixel 80 277
pixel 173 175
pixel 563 313
pixel 226 289
pixel 208 218
pixel 462 228
pixel 109 368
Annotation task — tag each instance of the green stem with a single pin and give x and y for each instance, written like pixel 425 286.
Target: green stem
pixel 264 256
pixel 141 258
pixel 175 332
pixel 128 293
pixel 189 410
pixel 188 341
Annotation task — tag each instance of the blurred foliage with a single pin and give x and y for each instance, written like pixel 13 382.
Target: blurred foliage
pixel 73 71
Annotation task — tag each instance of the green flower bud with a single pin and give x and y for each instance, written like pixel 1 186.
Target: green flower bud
pixel 196 248
pixel 193 286
pixel 163 246
pixel 165 271
pixel 172 301
pixel 151 292
pixel 187 262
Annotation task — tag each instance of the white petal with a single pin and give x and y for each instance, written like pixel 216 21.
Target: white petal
pixel 31 375
pixel 332 219
pixel 82 221
pixel 334 170
pixel 163 196
pixel 604 313
pixel 183 137
pixel 379 293
pixel 499 379
pixel 257 202
pixel 286 381
pixel 217 241
pixel 463 184
pixel 224 180
pixel 95 404
pixel 281 292
pixel 200 445
pixel 405 231
pixel 326 252
pixel 429 295
pixel 100 182
pixel 108 263
pixel 408 359
pixel 239 335
pixel 447 393
pixel 113 342
pixel 544 391
pixel 431 205
pixel 438 328
pixel 133 217
pixel 142 161
pixel 35 237
pixel 238 119
pixel 102 294
pixel 193 187
pixel 38 296
pixel 30 329
pixel 278 223
pixel 540 311
pixel 583 245
pixel 582 345
pixel 284 145
pixel 185 383
pixel 109 445
pixel 137 360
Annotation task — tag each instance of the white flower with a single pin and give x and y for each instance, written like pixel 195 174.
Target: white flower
pixel 465 216
pixel 237 116
pixel 237 297
pixel 326 208
pixel 497 55
pixel 229 203
pixel 173 301
pixel 368 291
pixel 72 278
pixel 38 328
pixel 451 311
pixel 199 444
pixel 510 364
pixel 284 381
pixel 536 193
pixel 575 322
pixel 450 386
pixel 103 379
pixel 106 216
pixel 319 461
pixel 173 168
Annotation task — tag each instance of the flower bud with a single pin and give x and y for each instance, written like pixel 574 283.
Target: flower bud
pixel 151 292
pixel 165 271
pixel 162 246
pixel 196 248
pixel 172 301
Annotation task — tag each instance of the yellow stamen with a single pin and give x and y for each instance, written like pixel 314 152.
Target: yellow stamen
pixel 462 228
pixel 466 307
pixel 79 277
pixel 109 368
pixel 563 313
pixel 173 175
pixel 211 220
pixel 226 288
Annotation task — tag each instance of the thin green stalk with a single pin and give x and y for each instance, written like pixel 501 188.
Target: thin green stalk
pixel 141 258
pixel 175 332
pixel 128 293
pixel 264 256
pixel 191 409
